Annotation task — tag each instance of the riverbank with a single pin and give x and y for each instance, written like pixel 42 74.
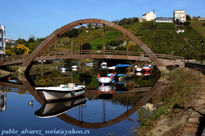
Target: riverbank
pixel 183 108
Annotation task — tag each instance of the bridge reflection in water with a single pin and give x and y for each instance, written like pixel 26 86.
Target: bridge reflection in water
pixel 59 112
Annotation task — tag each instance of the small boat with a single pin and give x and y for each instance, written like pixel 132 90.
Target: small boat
pixel 146 68
pixel 63 70
pixel 103 65
pixel 112 68
pixel 62 92
pixel 105 80
pixel 53 109
pixel 89 64
pixel 111 75
pixel 74 67
pixel 138 69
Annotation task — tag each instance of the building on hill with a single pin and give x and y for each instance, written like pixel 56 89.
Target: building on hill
pixel 201 19
pixel 179 15
pixel 164 20
pixel 149 16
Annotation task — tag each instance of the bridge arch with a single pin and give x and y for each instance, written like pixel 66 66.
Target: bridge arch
pixel 52 37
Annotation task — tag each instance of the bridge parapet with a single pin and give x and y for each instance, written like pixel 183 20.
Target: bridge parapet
pixel 107 54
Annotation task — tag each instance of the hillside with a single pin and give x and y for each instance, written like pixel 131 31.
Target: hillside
pixel 160 38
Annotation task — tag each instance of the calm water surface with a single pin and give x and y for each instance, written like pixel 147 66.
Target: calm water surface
pixel 95 114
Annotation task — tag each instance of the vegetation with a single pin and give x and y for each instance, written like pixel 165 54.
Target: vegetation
pixel 182 83
pixel 160 38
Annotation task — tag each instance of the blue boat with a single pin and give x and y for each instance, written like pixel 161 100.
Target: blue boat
pixel 123 65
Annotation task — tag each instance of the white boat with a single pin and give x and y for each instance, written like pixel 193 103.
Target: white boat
pixel 103 65
pixel 112 68
pixel 63 70
pixel 146 68
pixel 62 92
pixel 138 69
pixel 53 109
pixel 74 67
pixel 89 64
pixel 105 80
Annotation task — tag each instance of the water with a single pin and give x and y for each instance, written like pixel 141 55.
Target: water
pixel 95 114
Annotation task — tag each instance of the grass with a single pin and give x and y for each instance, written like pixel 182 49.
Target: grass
pixel 160 38
pixel 199 27
pixel 177 92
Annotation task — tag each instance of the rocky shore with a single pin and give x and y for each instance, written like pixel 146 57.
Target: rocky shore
pixel 185 115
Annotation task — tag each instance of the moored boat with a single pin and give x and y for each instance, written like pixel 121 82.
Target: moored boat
pixel 62 92
pixel 105 80
pixel 146 68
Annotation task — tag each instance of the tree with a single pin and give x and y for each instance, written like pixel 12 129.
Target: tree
pixel 21 49
pixel 86 46
pixel 188 18
pixel 21 41
pixel 31 40
pixel 131 46
pixel 71 33
pixel 99 46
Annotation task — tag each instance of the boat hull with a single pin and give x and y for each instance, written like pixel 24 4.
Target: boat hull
pixel 51 95
pixel 105 80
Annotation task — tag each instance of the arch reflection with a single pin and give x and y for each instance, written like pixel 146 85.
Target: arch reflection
pixel 60 113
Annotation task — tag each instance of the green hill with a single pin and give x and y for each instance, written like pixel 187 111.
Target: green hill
pixel 160 38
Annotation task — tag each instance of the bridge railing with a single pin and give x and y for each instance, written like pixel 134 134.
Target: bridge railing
pixel 103 52
pixel 106 52
pixel 13 58
pixel 111 52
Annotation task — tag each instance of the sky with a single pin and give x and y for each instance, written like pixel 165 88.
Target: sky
pixel 23 18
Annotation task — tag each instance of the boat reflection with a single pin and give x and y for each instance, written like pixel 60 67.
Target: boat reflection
pixel 58 109
pixel 2 100
pixel 108 89
pixel 53 109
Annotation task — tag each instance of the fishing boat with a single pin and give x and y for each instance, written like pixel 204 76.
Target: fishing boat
pixel 146 68
pixel 53 109
pixel 63 70
pixel 103 65
pixel 138 69
pixel 104 80
pixel 62 92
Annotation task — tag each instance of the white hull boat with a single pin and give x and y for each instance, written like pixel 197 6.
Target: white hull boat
pixel 105 80
pixel 62 91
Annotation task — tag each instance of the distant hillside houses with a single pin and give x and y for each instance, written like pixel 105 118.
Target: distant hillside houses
pixel 164 20
pixel 201 19
pixel 149 16
pixel 179 15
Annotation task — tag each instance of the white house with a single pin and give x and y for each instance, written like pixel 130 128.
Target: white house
pixel 149 16
pixel 180 15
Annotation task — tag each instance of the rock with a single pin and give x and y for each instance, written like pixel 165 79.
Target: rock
pixel 193 120
pixel 201 102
